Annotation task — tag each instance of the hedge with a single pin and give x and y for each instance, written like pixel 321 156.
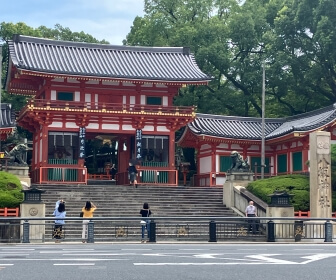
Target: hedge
pixel 11 194
pixel 297 185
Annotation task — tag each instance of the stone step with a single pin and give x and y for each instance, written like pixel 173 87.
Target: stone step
pixel 125 201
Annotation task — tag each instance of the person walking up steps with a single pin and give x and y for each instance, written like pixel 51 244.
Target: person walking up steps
pixel 87 210
pixel 132 173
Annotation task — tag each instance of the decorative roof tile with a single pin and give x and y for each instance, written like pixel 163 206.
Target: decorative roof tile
pixel 105 61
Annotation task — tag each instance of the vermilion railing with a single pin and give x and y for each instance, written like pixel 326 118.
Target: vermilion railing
pixel 158 177
pixel 80 106
pixel 59 175
pixel 9 212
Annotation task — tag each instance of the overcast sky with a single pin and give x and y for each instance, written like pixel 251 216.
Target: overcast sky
pixel 103 19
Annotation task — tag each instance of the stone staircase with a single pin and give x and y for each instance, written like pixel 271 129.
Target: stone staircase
pixel 126 201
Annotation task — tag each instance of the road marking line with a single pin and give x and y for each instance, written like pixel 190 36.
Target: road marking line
pixel 192 249
pixel 79 250
pixel 16 249
pixel 267 258
pixel 72 259
pixel 196 264
pixel 14 253
pixel 102 254
pixel 62 252
pixel 317 257
pixel 74 264
pixel 136 250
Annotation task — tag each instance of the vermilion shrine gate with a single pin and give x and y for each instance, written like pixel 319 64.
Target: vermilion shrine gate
pixel 80 91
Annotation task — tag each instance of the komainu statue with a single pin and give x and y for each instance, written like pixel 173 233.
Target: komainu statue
pixel 17 153
pixel 238 163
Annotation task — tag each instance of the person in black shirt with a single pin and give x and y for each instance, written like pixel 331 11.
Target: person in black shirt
pixel 145 212
pixel 132 173
pixel 113 172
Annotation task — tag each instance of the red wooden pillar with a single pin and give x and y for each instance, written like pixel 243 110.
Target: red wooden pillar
pixel 289 159
pixel 171 158
pixel 213 164
pixel 305 151
pixel 44 146
pixel 35 152
pixel 198 166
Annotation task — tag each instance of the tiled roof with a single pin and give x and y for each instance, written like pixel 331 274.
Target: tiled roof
pixel 250 128
pixel 106 61
pixel 7 116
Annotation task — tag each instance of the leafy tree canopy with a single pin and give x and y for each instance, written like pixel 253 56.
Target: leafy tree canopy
pixel 231 41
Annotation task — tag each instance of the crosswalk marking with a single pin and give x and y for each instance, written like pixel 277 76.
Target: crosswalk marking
pixel 78 257
pixel 265 259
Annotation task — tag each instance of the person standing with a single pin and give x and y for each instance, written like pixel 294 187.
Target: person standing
pixel 132 173
pixel 145 212
pixel 113 172
pixel 251 211
pixel 59 213
pixel 87 210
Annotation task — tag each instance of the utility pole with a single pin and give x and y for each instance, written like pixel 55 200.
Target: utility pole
pixel 0 92
pixel 263 124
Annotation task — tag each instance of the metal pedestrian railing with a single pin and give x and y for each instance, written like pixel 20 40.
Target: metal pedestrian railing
pixel 201 229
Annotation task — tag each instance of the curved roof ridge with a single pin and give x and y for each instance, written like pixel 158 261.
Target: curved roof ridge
pixel 255 119
pixel 29 39
pixel 312 113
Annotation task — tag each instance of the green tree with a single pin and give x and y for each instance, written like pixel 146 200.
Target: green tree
pixel 301 41
pixel 231 41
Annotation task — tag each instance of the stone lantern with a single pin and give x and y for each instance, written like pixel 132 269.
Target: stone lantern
pixel 280 199
pixel 32 207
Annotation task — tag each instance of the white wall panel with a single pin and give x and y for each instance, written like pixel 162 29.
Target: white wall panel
pixel 205 164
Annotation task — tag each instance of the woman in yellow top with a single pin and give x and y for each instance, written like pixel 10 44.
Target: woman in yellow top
pixel 87 210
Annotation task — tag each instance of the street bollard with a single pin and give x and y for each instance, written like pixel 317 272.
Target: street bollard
pixel 152 231
pixel 328 232
pixel 25 235
pixel 212 231
pixel 90 238
pixel 270 231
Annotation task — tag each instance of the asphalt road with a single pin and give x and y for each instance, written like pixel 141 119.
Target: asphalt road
pixel 167 261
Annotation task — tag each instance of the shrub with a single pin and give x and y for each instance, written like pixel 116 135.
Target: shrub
pixel 297 185
pixel 10 190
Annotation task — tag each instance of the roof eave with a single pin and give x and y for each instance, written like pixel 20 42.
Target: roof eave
pixel 108 78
